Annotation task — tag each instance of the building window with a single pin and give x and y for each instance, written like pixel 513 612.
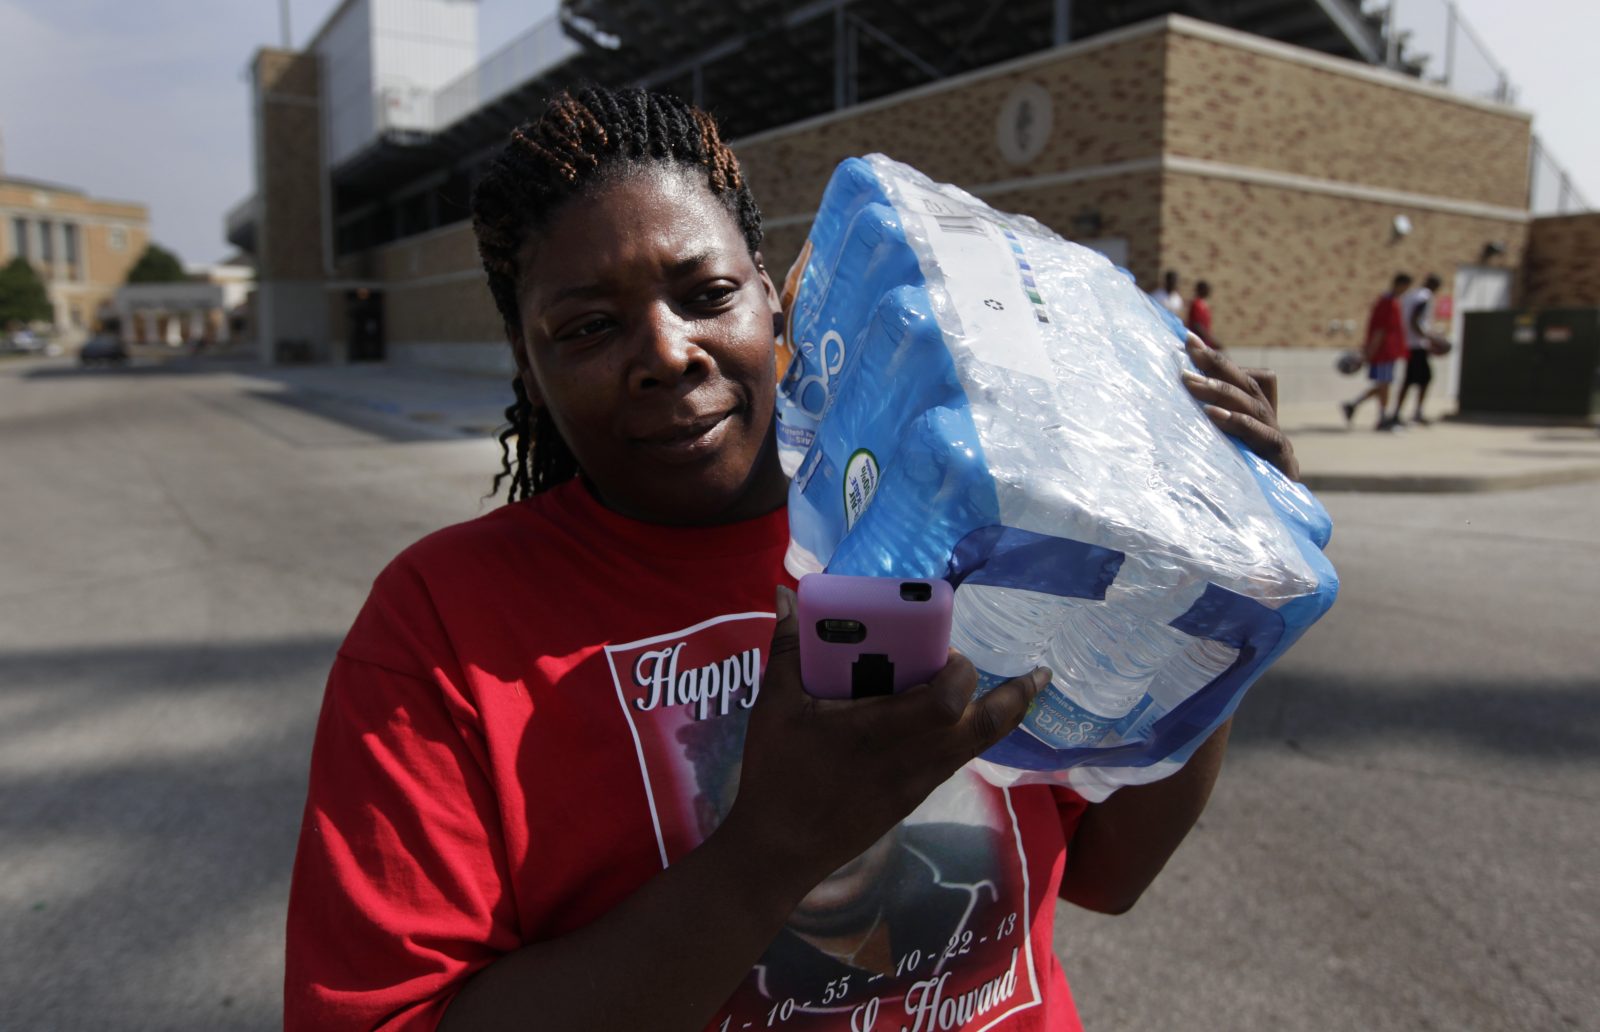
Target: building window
pixel 47 241
pixel 119 238
pixel 69 247
pixel 19 238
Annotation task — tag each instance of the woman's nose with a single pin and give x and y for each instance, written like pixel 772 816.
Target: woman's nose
pixel 666 351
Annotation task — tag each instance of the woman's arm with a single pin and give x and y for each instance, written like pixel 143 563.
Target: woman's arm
pixel 674 951
pixel 1120 845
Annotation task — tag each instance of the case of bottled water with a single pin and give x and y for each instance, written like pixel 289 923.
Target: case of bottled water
pixel 972 397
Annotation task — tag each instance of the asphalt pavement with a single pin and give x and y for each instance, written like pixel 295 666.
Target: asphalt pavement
pixel 1404 836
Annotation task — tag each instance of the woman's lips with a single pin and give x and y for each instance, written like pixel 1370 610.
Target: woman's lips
pixel 688 441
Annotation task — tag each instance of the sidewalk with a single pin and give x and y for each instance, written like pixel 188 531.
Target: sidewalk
pixel 1448 456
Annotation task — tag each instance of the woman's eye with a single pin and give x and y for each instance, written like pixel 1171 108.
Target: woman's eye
pixel 587 328
pixel 715 295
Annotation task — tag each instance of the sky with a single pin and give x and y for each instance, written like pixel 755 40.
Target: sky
pixel 147 101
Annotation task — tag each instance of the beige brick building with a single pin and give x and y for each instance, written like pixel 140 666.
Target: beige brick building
pixel 82 247
pixel 1296 182
pixel 1273 172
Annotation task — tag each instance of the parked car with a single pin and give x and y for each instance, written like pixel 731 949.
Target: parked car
pixel 25 342
pixel 103 348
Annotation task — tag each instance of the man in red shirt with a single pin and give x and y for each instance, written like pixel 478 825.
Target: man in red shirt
pixel 1200 315
pixel 1384 345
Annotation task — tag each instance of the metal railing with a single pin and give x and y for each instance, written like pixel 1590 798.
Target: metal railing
pixel 1431 39
pixel 1551 190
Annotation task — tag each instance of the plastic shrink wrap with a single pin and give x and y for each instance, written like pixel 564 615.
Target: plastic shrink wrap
pixel 972 397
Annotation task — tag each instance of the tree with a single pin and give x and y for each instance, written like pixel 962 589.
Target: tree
pixel 22 295
pixel 157 265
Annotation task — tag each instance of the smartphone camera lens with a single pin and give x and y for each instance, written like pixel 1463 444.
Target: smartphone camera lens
pixel 842 632
pixel 916 591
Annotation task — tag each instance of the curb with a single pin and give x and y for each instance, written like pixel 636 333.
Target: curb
pixel 1428 483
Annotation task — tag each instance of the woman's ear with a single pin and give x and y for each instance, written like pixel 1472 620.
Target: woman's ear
pixel 766 281
pixel 779 325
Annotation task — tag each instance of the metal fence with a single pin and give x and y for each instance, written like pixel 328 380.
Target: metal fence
pixel 1431 39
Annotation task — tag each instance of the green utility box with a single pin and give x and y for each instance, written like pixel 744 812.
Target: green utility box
pixel 1544 364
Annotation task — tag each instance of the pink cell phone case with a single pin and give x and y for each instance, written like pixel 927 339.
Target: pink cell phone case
pixel 865 636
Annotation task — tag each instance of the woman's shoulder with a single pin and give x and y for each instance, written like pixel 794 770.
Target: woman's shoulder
pixel 457 580
pixel 501 535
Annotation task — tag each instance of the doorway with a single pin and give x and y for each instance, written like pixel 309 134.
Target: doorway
pixel 364 324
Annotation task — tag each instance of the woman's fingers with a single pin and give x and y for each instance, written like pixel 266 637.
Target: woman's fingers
pixel 1266 440
pixel 1215 391
pixel 1266 380
pixel 1217 366
pixel 1242 403
pixel 998 713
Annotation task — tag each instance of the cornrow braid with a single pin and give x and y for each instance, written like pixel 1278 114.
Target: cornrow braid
pixel 580 141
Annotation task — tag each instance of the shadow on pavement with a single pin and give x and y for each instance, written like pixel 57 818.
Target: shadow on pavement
pixel 389 422
pixel 150 799
pixel 174 367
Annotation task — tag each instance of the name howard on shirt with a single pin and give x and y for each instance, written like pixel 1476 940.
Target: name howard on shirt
pixel 932 1011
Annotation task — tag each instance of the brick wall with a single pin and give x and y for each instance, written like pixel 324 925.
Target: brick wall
pixel 458 310
pixel 1192 114
pixel 1274 107
pixel 1296 268
pixel 1275 173
pixel 107 263
pixel 1563 264
pixel 291 175
pixel 1106 102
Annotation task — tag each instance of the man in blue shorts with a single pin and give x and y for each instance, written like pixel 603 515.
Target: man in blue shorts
pixel 1384 347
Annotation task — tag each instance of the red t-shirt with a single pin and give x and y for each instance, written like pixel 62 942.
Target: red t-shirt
pixel 538 710
pixel 1385 320
pixel 1200 318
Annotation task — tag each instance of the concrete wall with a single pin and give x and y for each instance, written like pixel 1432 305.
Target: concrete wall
pixel 1563 262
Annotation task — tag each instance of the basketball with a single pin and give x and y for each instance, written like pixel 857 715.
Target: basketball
pixel 1439 346
pixel 1349 363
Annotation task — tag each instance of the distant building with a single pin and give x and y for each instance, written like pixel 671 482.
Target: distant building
pixel 1284 150
pixel 82 247
pixel 208 310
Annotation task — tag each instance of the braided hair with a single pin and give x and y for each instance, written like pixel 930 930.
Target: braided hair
pixel 581 141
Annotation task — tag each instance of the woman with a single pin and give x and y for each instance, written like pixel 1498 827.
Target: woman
pixel 552 786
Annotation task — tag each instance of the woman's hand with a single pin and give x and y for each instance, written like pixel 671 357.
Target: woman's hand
pixel 1243 403
pixel 823 779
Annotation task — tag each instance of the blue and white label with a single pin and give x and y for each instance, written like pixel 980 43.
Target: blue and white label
pixel 860 484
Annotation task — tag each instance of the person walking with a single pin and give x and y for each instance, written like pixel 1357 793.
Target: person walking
pixel 1416 307
pixel 1384 345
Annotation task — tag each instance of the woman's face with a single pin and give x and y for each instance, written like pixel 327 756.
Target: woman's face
pixel 647 333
